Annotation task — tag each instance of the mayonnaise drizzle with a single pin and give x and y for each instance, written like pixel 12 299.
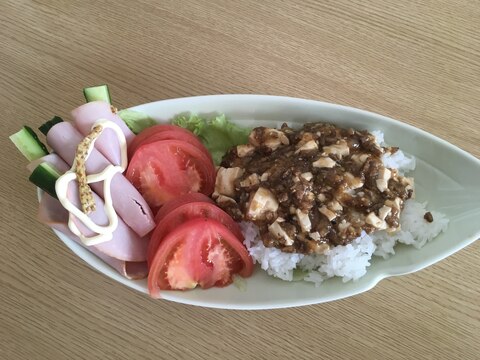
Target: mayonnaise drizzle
pixel 104 232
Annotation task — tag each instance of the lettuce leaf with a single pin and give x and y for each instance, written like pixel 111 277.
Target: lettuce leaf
pixel 136 120
pixel 217 134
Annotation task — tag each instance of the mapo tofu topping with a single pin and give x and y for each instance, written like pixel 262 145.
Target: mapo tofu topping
pixel 313 188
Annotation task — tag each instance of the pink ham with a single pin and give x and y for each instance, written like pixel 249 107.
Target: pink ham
pixel 133 270
pixel 125 244
pixel 52 213
pixel 86 115
pixel 127 201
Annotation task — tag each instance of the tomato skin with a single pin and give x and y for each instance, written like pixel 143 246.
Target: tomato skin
pixel 204 252
pixel 181 200
pixel 184 213
pixel 165 132
pixel 166 169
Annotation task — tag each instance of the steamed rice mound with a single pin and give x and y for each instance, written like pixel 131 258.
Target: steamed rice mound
pixel 350 261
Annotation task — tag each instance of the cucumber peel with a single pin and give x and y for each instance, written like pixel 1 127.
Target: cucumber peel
pixel 45 176
pixel 45 128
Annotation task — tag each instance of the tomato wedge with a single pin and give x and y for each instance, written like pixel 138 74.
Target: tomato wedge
pixel 165 132
pixel 200 252
pixel 171 205
pixel 166 169
pixel 184 213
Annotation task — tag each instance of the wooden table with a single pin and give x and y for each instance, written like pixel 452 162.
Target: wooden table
pixel 416 61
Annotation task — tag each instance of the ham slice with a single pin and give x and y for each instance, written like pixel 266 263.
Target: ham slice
pixel 127 201
pixel 125 253
pixel 125 245
pixel 86 115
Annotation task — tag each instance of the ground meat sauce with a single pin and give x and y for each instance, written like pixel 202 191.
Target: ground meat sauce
pixel 313 188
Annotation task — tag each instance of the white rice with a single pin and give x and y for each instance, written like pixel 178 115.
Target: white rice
pixel 350 262
pixel 379 138
pixel 272 260
pixel 415 230
pixel 400 161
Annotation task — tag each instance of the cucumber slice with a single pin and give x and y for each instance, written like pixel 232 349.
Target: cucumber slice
pixel 44 176
pixel 45 128
pixel 28 143
pixel 96 93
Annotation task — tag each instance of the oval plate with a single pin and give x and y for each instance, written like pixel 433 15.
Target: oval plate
pixel 446 177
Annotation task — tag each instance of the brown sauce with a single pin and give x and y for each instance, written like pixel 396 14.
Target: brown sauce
pixel 312 188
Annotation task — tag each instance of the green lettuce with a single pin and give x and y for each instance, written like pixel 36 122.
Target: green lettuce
pixel 136 120
pixel 217 134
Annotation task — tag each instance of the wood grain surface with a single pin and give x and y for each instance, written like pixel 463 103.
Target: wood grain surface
pixel 416 61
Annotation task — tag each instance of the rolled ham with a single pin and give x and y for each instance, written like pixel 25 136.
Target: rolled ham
pixel 52 213
pixel 86 115
pixel 125 244
pixel 127 201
